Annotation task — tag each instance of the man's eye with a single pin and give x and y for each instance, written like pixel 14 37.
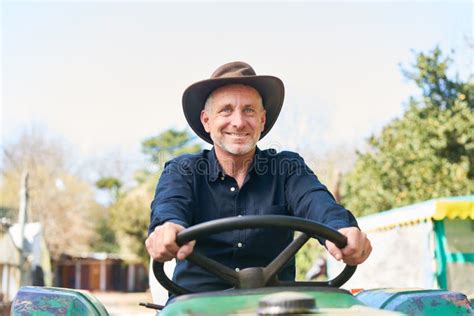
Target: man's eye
pixel 226 110
pixel 249 110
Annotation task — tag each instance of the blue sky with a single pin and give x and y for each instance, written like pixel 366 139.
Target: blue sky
pixel 105 75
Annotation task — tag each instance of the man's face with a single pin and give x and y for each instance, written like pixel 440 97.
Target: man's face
pixel 234 118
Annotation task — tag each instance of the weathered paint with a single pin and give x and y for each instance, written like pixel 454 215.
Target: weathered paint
pixel 418 302
pixel 39 301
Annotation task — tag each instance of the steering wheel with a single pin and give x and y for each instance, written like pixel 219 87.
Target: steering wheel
pixel 256 277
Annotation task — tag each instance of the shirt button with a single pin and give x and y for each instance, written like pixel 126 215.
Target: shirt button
pixel 239 215
pixel 222 178
pixel 237 269
pixel 232 189
pixel 239 245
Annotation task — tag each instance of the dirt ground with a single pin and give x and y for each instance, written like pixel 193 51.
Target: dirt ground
pixel 118 303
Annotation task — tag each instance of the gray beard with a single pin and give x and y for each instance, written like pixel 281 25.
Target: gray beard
pixel 242 151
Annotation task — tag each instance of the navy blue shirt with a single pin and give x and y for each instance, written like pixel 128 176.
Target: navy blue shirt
pixel 193 189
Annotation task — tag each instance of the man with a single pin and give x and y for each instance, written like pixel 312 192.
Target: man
pixel 233 110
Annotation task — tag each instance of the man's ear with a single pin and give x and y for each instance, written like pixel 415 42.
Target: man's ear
pixel 264 119
pixel 205 120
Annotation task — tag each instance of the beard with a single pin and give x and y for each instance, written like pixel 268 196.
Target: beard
pixel 233 148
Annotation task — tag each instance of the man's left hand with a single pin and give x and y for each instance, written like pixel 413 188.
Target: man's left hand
pixel 356 251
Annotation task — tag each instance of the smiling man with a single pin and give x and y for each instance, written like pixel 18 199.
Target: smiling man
pixel 234 117
pixel 233 110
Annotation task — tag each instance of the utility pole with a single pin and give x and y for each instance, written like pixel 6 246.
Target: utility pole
pixel 22 218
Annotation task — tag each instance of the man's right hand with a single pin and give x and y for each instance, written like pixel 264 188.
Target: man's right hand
pixel 161 243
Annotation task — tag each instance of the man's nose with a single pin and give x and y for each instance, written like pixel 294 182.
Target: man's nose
pixel 238 119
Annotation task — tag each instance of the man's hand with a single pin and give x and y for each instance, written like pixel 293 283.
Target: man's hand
pixel 357 250
pixel 161 244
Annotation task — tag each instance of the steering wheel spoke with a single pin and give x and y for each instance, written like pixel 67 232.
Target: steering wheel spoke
pixel 289 252
pixel 215 267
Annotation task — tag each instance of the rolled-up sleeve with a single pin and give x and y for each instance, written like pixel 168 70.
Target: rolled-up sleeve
pixel 173 201
pixel 309 198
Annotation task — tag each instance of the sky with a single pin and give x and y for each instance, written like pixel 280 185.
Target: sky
pixel 105 75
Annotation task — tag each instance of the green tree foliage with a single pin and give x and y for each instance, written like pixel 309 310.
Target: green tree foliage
pixel 161 148
pixel 430 73
pixel 425 154
pixel 306 257
pixel 110 183
pixel 169 144
pixel 106 239
pixel 130 217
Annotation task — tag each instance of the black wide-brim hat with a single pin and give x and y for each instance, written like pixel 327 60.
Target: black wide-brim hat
pixel 271 90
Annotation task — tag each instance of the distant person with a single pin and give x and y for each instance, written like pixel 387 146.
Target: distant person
pixel 233 110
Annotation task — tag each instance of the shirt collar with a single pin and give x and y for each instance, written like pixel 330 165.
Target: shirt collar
pixel 215 169
pixel 256 157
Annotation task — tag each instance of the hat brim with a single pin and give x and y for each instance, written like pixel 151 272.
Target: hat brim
pixel 270 88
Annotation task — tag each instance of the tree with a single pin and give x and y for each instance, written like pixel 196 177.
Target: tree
pixel 168 144
pixel 129 218
pixel 61 201
pixel 425 154
pixel 111 184
pixel 106 238
pixel 163 147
